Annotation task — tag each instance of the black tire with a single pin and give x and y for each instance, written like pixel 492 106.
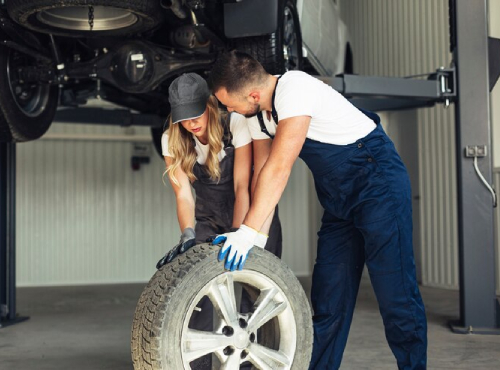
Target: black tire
pixel 26 110
pixel 36 15
pixel 163 308
pixel 269 49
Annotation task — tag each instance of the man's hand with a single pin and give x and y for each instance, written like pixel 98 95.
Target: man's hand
pixel 187 241
pixel 236 247
pixel 261 240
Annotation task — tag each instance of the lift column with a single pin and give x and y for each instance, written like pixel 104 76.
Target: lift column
pixel 7 235
pixel 469 43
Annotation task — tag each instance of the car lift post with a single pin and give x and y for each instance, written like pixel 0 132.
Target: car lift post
pixel 479 309
pixel 8 235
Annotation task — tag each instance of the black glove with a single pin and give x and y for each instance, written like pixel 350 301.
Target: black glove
pixel 211 238
pixel 187 241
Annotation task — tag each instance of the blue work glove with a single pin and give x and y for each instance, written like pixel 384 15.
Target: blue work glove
pixel 236 247
pixel 187 241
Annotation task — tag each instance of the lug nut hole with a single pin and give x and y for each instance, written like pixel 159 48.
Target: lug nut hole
pixel 228 351
pixel 227 331
pixel 243 323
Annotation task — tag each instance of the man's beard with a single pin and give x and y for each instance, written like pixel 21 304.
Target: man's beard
pixel 253 112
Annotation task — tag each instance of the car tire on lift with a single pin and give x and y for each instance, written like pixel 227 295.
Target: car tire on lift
pixel 269 50
pixel 26 110
pixel 160 330
pixel 39 15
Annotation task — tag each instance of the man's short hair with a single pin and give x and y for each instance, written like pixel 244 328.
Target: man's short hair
pixel 234 70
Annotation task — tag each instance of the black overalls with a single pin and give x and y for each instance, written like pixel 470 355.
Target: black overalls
pixel 215 200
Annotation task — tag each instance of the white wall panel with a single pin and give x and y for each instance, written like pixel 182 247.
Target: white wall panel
pixel 84 217
pixel 402 38
pixel 496 179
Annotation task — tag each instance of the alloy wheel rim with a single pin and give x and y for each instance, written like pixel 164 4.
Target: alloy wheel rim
pixel 238 337
pixel 76 18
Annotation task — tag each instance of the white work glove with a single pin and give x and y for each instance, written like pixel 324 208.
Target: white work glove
pixel 236 247
pixel 261 240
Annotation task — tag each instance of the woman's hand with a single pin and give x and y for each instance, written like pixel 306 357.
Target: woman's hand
pixel 187 241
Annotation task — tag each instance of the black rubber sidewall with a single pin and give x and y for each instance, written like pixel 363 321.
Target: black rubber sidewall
pixel 298 32
pixel 268 49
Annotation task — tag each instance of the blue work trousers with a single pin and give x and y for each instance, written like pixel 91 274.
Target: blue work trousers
pixel 365 191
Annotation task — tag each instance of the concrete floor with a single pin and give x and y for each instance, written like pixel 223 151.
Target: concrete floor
pixel 89 328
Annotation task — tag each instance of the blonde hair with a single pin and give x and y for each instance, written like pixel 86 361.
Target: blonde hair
pixel 181 147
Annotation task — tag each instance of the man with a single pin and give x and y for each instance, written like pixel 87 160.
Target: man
pixel 363 187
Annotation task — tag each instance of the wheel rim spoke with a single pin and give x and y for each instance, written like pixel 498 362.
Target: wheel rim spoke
pixel 200 343
pixel 267 359
pixel 266 309
pixel 221 294
pixel 232 362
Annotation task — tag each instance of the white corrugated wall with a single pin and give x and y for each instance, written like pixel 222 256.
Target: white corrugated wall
pixel 496 182
pixel 84 217
pixel 402 38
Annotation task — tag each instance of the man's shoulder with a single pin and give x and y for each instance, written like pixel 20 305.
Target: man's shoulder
pixel 295 75
pixel 298 79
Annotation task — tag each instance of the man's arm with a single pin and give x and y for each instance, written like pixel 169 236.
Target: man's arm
pixel 241 174
pixel 271 182
pixel 261 151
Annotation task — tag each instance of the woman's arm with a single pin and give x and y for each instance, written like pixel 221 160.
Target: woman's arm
pixel 241 173
pixel 261 150
pixel 183 196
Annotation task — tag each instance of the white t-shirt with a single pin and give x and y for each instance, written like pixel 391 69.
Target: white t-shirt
pixel 334 120
pixel 237 126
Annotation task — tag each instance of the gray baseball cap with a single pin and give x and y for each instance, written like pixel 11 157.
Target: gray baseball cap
pixel 188 95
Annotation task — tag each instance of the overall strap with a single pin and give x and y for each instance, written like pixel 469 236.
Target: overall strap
pixel 228 135
pixel 262 125
pixel 274 114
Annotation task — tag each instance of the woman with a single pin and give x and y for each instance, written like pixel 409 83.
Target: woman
pixel 214 155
